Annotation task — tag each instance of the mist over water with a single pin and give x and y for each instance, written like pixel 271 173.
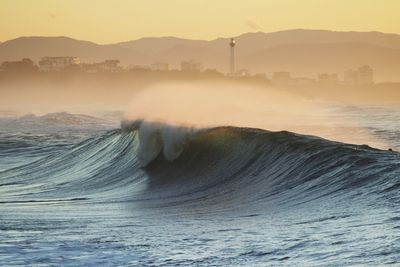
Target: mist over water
pixel 182 181
pixel 205 105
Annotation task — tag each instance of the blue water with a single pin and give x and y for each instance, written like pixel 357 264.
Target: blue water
pixel 230 197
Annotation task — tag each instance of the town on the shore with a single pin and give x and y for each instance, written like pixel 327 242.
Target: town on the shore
pixel 362 76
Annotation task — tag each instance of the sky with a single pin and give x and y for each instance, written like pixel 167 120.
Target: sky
pixel 111 21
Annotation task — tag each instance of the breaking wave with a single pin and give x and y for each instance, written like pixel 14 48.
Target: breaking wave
pixel 156 165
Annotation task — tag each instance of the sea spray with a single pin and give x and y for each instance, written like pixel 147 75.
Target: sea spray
pixel 157 137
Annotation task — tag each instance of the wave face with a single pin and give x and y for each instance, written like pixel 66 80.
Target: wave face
pixel 156 195
pixel 225 167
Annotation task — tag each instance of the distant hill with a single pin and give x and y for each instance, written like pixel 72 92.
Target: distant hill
pixel 251 42
pixel 311 59
pixel 302 52
pixel 37 47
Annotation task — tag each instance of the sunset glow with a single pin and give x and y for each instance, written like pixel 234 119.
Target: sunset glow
pixel 113 21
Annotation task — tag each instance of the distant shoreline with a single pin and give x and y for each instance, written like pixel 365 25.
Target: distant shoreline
pixel 123 84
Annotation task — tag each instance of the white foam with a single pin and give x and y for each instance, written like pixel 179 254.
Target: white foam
pixel 157 137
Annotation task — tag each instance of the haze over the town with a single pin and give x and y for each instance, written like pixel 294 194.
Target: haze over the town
pixel 121 20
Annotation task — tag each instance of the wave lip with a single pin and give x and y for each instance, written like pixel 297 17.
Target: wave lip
pixel 158 137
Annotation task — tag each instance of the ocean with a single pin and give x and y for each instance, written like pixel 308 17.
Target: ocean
pixel 83 191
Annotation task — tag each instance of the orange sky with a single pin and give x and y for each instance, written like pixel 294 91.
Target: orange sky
pixel 108 21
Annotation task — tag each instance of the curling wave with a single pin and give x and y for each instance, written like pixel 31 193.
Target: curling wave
pixel 227 167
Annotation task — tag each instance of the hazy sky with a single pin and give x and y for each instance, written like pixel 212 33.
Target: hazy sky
pixel 108 21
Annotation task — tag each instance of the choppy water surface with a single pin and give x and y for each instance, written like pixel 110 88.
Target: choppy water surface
pixel 217 197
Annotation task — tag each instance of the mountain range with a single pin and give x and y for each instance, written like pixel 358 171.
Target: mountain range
pixel 304 53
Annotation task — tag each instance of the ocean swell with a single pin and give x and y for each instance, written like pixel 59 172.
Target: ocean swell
pixel 159 165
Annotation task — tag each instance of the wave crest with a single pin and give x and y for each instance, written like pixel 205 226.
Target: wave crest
pixel 223 166
pixel 157 137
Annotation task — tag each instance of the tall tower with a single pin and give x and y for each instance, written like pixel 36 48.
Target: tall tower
pixel 232 45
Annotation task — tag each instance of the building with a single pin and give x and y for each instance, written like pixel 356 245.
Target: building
pixel 160 66
pixel 281 78
pixel 191 66
pixel 362 76
pixel 138 68
pixel 110 65
pixel 350 77
pixel 365 75
pixel 242 73
pixel 328 79
pixel 262 76
pixel 51 64
pixel 213 73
